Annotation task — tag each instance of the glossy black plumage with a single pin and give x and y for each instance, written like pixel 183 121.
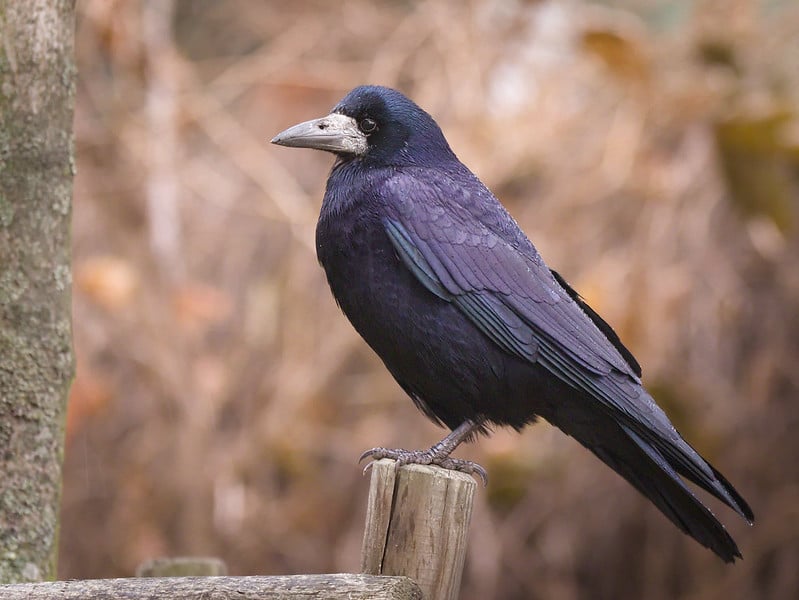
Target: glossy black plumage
pixel 440 281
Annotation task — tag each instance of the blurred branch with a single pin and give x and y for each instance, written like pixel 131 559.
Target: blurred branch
pixel 160 110
pixel 288 202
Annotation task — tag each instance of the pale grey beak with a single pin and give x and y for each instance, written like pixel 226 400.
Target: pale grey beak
pixel 334 133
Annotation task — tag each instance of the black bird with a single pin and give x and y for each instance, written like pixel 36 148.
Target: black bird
pixel 445 287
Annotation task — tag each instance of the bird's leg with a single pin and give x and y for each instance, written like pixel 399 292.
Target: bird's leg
pixel 438 454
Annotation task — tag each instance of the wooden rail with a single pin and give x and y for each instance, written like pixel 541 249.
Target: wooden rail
pixel 414 547
pixel 284 587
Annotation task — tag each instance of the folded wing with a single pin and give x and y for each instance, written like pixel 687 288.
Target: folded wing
pixel 504 288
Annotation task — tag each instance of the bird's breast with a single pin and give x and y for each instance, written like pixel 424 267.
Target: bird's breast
pixel 362 268
pixel 444 362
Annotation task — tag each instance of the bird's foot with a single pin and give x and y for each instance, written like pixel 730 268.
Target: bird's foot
pixel 425 457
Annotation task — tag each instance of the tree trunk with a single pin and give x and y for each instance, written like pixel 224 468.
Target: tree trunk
pixel 37 76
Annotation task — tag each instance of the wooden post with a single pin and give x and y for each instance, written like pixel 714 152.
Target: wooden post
pixel 182 566
pixel 414 547
pixel 417 520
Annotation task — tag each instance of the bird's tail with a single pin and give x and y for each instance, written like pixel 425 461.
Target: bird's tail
pixel 674 452
pixel 656 474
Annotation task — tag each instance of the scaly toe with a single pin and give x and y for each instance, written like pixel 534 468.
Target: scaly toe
pixel 464 466
pixel 378 453
pixel 419 457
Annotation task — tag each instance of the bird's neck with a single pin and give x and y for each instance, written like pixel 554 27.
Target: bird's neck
pixel 346 186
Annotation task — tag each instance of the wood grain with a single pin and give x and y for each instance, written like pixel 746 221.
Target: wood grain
pixel 417 525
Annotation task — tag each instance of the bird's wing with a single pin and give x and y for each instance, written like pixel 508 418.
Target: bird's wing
pixel 487 310
pixel 502 287
pixel 603 325
pixel 507 291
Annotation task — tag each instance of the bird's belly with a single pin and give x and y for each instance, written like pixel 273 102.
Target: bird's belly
pixel 448 366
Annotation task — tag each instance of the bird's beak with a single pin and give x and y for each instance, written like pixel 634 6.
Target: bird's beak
pixel 334 133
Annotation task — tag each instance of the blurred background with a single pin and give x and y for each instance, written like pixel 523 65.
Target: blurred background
pixel 650 148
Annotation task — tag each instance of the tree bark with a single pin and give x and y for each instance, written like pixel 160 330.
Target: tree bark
pixel 37 88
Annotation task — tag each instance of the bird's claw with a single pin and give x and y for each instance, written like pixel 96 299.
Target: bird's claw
pixel 424 457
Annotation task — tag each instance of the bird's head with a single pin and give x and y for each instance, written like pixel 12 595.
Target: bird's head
pixel 374 124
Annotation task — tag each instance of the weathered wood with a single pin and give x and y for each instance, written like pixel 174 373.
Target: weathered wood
pixel 378 516
pixel 285 587
pixel 182 566
pixel 416 525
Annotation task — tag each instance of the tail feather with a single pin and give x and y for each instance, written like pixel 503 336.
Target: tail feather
pixel 663 486
pixel 646 422
pixel 654 475
pixel 679 455
pixel 717 485
pixel 743 508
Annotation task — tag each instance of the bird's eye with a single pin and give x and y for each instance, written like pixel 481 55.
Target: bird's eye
pixel 367 125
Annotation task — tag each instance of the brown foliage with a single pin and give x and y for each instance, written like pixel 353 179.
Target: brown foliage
pixel 222 397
